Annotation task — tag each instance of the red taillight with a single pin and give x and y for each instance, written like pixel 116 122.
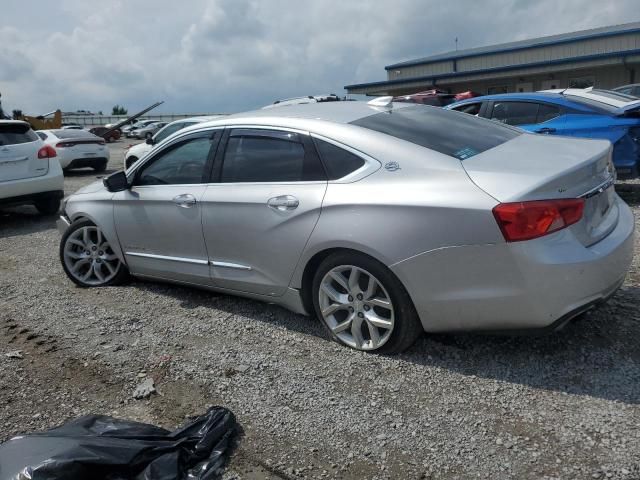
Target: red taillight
pixel 526 220
pixel 47 152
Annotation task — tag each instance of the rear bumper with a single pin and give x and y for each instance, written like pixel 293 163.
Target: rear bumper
pixel 26 189
pixel 31 198
pixel 86 162
pixel 516 286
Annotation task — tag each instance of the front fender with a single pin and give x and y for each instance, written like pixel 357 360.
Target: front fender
pixel 101 215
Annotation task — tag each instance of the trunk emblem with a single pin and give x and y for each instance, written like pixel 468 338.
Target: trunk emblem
pixel 392 166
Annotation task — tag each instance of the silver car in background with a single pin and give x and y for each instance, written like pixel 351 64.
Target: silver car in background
pixel 146 131
pixel 383 220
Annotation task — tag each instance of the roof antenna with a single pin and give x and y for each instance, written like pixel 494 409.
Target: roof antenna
pixel 456 44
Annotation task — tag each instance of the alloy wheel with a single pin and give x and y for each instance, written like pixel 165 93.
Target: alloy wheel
pixel 356 307
pixel 89 257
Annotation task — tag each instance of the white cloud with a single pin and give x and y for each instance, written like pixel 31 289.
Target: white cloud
pixel 230 55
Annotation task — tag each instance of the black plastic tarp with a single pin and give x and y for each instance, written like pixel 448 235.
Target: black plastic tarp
pixel 104 448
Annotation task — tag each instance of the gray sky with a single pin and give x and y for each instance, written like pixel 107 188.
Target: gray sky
pixel 233 55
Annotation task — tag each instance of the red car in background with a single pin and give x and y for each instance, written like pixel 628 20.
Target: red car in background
pixel 435 97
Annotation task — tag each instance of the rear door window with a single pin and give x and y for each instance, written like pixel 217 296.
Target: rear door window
pixel 268 156
pixel 459 136
pixel 547 112
pixel 16 133
pixel 515 113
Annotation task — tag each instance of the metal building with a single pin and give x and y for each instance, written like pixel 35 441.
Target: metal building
pixel 604 57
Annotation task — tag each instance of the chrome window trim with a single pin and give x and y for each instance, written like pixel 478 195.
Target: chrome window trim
pixel 370 166
pixel 267 127
pixel 195 261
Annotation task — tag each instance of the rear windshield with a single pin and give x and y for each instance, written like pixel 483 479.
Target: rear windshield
pixel 618 96
pixel 455 134
pixel 593 105
pixel 71 133
pixel 15 133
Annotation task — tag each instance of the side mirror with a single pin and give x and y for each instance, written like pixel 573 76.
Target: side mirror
pixel 116 182
pixel 150 141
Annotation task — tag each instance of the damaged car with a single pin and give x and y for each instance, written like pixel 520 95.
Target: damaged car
pixel 384 220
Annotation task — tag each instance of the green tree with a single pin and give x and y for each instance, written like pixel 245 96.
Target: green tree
pixel 119 110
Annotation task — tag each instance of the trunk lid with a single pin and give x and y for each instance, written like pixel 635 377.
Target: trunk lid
pixel 537 167
pixel 19 147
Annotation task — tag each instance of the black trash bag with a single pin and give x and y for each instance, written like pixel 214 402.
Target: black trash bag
pixel 97 447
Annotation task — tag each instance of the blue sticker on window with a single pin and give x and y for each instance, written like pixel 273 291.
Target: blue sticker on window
pixel 465 153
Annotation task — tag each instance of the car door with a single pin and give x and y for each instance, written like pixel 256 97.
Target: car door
pixel 159 219
pixel 261 209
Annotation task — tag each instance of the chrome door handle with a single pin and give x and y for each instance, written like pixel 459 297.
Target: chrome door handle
pixel 546 130
pixel 185 200
pixel 283 203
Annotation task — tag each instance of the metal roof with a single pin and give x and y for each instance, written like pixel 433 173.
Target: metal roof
pixel 337 112
pixel 609 31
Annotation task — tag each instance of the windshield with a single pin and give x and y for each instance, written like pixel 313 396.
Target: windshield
pixel 171 129
pixel 453 133
pixel 15 133
pixel 617 96
pixel 595 105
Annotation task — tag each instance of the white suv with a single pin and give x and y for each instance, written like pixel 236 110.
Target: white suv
pixel 29 170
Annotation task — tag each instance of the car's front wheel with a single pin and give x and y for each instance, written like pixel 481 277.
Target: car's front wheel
pixel 87 257
pixel 363 304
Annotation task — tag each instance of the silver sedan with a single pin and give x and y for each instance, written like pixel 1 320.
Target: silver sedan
pixel 383 220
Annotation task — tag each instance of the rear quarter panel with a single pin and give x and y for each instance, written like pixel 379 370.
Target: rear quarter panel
pixel 429 203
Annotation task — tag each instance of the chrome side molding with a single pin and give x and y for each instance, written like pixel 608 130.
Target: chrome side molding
pixel 229 265
pixel 171 259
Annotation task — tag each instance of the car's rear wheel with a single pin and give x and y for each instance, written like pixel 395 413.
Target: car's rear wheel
pixel 87 257
pixel 363 305
pixel 49 206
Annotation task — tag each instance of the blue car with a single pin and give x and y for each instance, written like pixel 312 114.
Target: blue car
pixel 588 113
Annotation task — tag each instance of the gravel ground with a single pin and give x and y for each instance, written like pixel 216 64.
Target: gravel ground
pixel 455 406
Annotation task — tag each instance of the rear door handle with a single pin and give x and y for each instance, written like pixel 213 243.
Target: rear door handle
pixel 283 203
pixel 546 130
pixel 186 200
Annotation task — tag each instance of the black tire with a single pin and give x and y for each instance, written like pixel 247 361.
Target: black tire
pixel 407 327
pixel 130 161
pixel 50 206
pixel 120 277
pixel 100 167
